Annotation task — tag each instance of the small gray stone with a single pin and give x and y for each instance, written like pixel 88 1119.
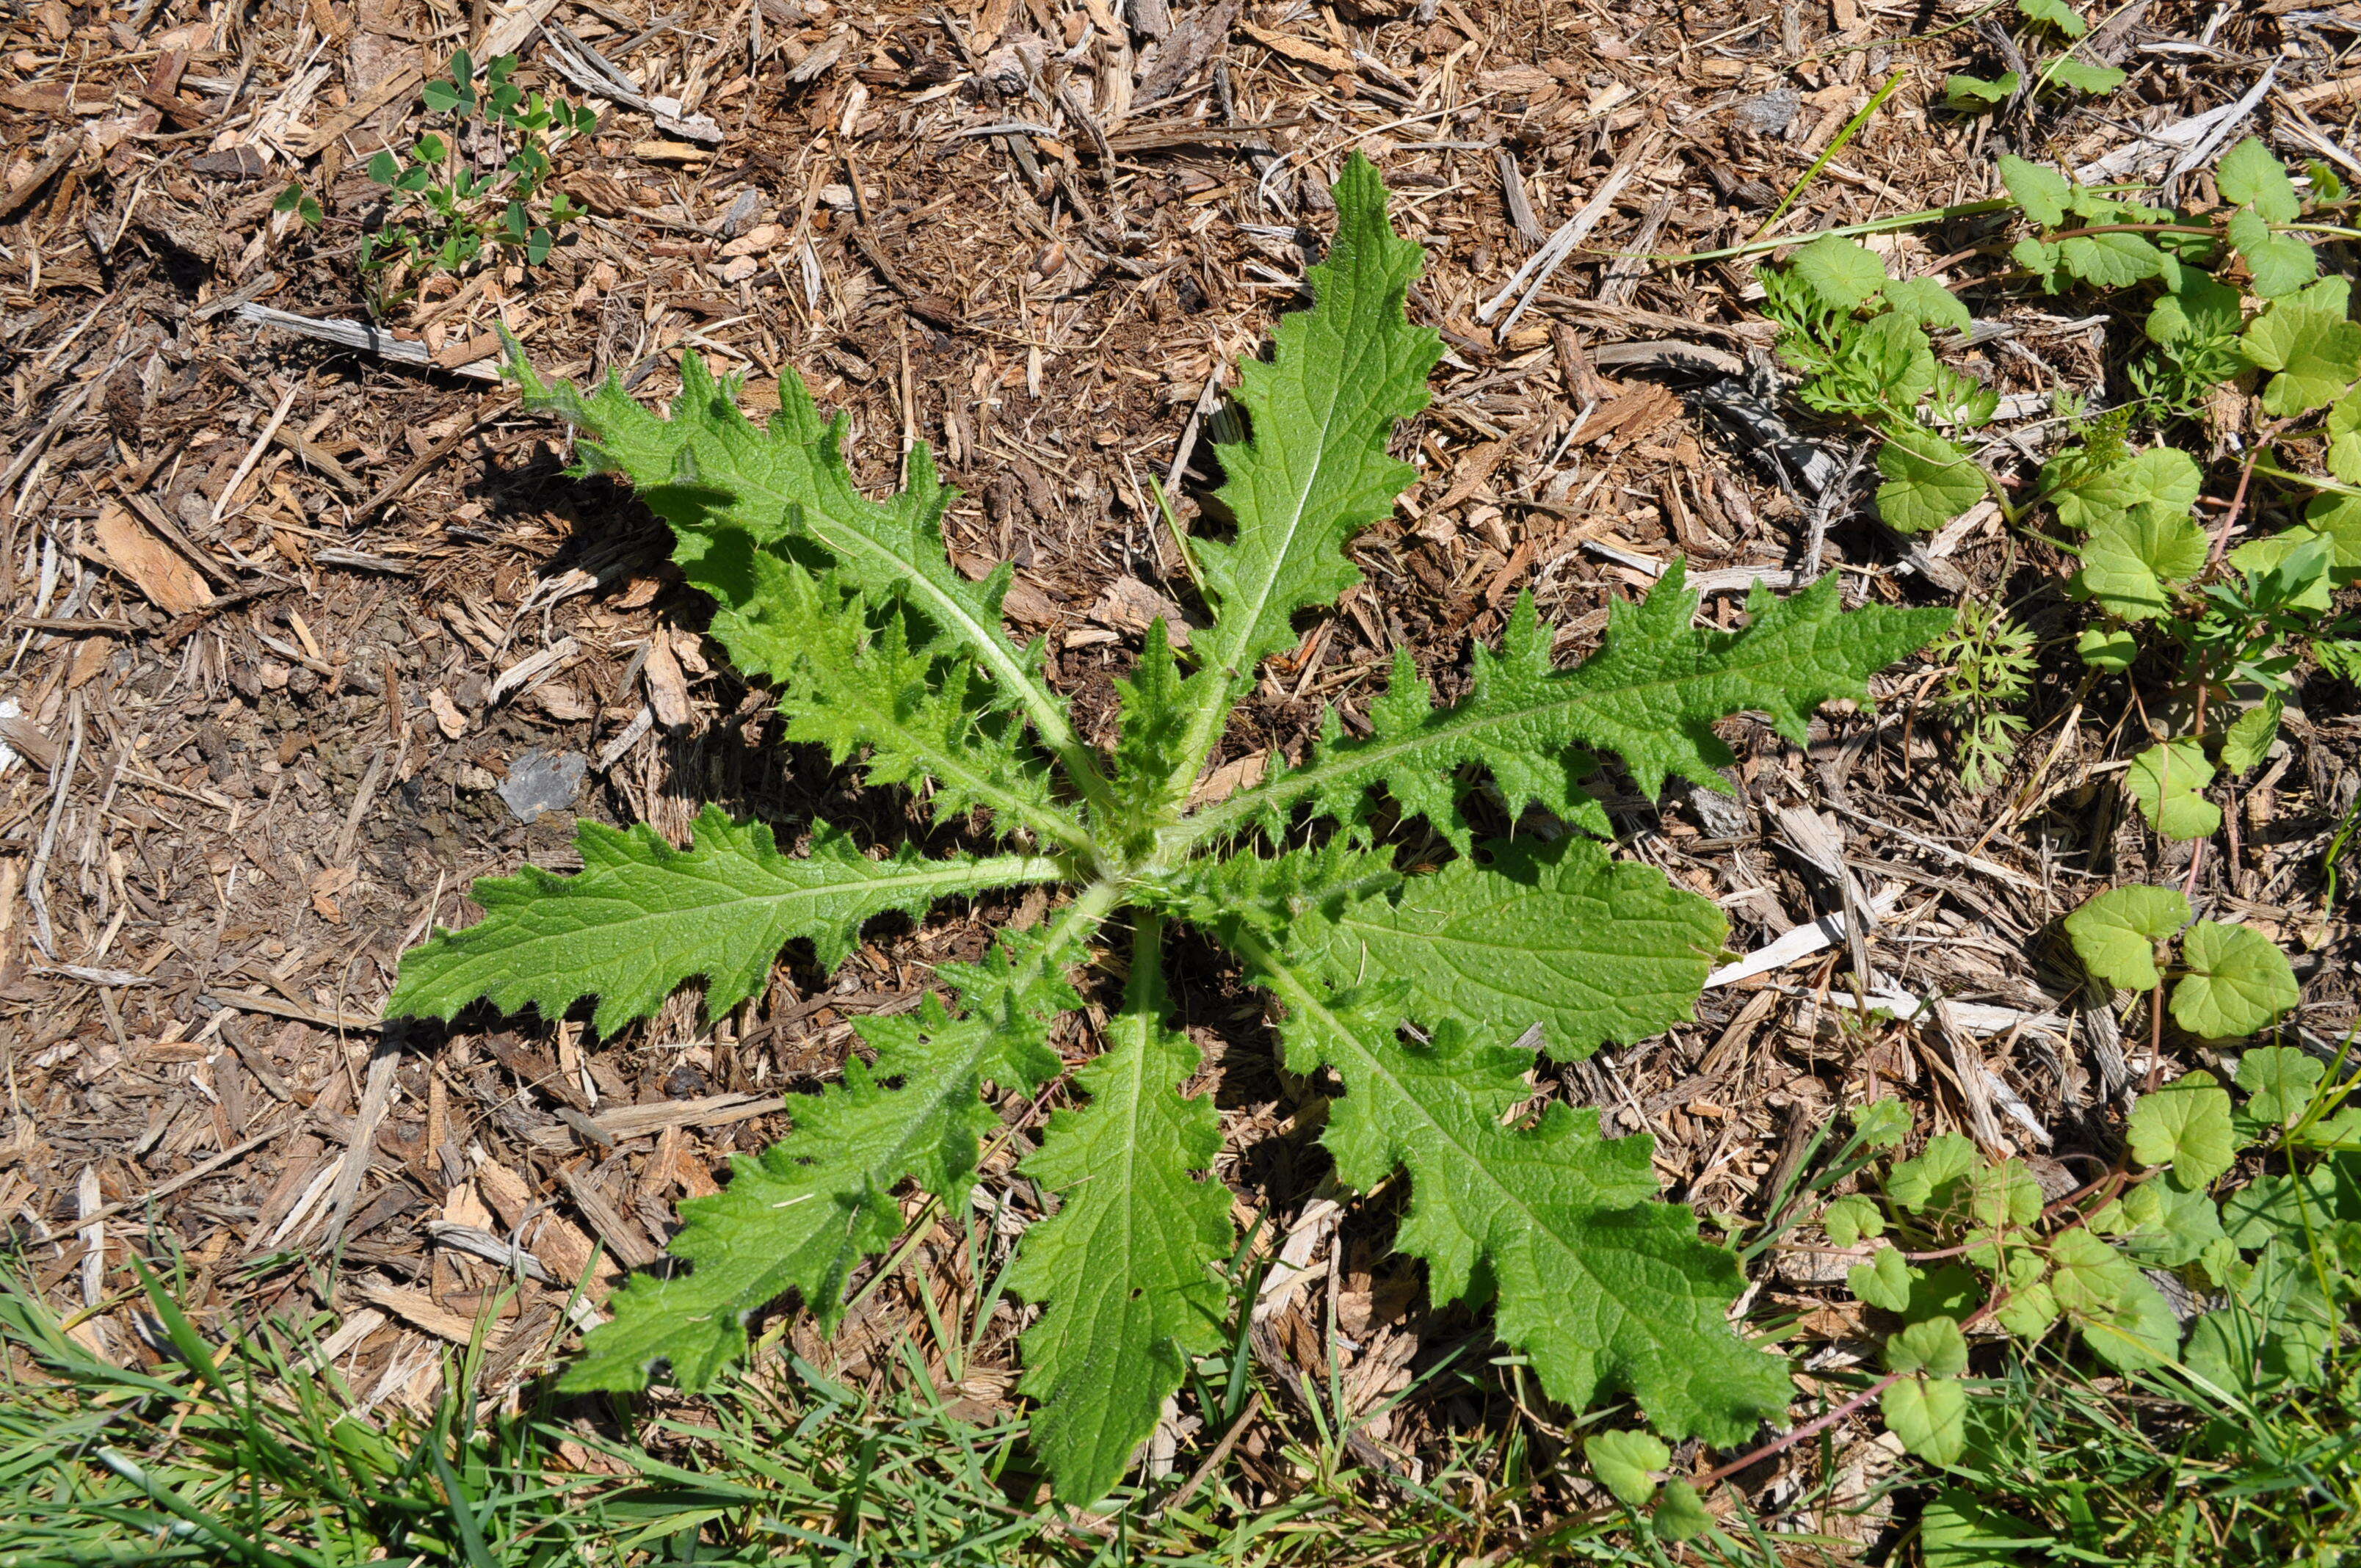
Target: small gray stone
pixel 542 781
pixel 1770 113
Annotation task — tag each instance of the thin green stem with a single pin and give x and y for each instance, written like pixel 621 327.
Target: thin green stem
pixel 1843 138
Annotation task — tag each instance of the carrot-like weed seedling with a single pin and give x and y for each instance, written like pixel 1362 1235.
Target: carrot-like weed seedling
pixel 1415 984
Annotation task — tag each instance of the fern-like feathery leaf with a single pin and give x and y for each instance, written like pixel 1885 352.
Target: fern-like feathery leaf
pixel 1313 470
pixel 819 1201
pixel 1651 695
pixel 1126 1265
pixel 641 918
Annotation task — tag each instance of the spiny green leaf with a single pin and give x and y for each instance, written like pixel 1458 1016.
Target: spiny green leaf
pixel 849 677
pixel 1653 694
pixel 1128 1262
pixel 1313 470
pixel 817 1202
pixel 2238 983
pixel 1155 720
pixel 2185 1125
pixel 2281 263
pixel 707 470
pixel 2249 176
pixel 2169 780
pixel 1843 273
pixel 641 918
pixel 1927 302
pixel 1623 1461
pixel 1598 1284
pixel 1928 480
pixel 2040 190
pixel 1557 935
pixel 2279 1081
pixel 2116 933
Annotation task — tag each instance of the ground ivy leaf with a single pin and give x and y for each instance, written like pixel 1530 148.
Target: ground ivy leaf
pixel 1968 94
pixel 1848 1219
pixel 1555 934
pixel 2249 176
pixel 816 1203
pixel 2169 780
pixel 2129 557
pixel 2281 263
pixel 1927 302
pixel 2084 77
pixel 2134 1331
pixel 2115 933
pixel 2111 260
pixel 1623 1461
pixel 641 918
pixel 1948 1156
pixel 1883 1281
pixel 2057 13
pixel 2028 1311
pixel 1681 1515
pixel 1928 480
pixel 2237 983
pixel 2040 190
pixel 2279 1081
pixel 2185 1125
pixel 1929 1414
pixel 1127 1264
pixel 2088 1274
pixel 1598 1283
pixel 2249 737
pixel 1935 1347
pixel 1844 274
pixel 2317 357
pixel 1313 469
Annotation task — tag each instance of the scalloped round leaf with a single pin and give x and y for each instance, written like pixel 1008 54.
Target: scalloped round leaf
pixel 2162 478
pixel 2111 260
pixel 1947 1157
pixel 2084 77
pixel 2280 263
pixel 1847 1219
pixel 2129 557
pixel 2249 176
pixel 2115 933
pixel 2038 190
pixel 2108 648
pixel 1623 1461
pixel 2317 356
pixel 2028 1311
pixel 2134 1331
pixel 2238 983
pixel 2185 1125
pixel 2279 1081
pixel 2088 1274
pixel 1883 1281
pixel 1681 1515
pixel 1929 1414
pixel 1927 302
pixel 1928 482
pixel 1935 1347
pixel 1842 273
pixel 2249 737
pixel 2168 781
pixel 2057 13
pixel 1968 94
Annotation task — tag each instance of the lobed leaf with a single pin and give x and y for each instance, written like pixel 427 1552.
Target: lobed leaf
pixel 1928 480
pixel 2185 1125
pixel 2168 781
pixel 641 918
pixel 1596 1281
pixel 1651 694
pixel 1129 1265
pixel 1313 470
pixel 2116 933
pixel 2238 983
pixel 817 1202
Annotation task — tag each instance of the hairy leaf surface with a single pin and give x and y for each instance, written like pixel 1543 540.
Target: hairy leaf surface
pixel 1597 1282
pixel 1651 694
pixel 1128 1264
pixel 1314 469
pixel 820 1199
pixel 641 918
